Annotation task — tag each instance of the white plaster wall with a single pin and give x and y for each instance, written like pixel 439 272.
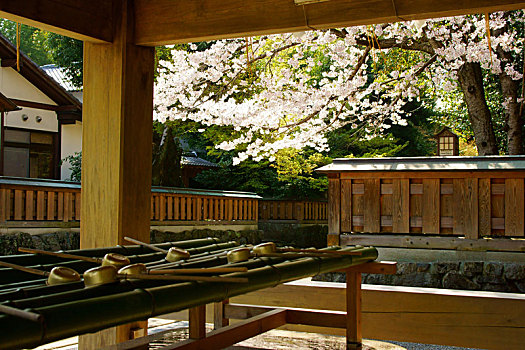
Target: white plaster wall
pixel 13 85
pixel 71 143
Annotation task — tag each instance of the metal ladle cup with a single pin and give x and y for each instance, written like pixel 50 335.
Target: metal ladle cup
pixel 175 254
pixel 238 255
pixel 115 260
pixel 101 275
pixel 61 274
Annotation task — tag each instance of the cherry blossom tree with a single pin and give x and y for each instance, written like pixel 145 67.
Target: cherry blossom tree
pixel 287 91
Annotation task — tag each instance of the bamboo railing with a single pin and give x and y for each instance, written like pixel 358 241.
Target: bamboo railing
pixel 38 200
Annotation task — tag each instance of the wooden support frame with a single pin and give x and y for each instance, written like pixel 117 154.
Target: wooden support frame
pixel 259 319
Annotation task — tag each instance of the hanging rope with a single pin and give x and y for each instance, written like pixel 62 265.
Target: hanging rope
pixel 18 46
pixel 487 25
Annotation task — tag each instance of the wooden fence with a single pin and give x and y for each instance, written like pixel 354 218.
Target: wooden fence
pixel 470 198
pixel 298 211
pixel 30 200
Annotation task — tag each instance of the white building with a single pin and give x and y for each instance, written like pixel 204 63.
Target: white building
pixel 48 126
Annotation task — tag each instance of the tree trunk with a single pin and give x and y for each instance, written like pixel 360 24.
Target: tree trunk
pixel 509 89
pixel 471 82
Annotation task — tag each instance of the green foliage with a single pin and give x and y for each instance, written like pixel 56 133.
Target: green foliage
pixel 68 54
pixel 75 161
pixel 33 41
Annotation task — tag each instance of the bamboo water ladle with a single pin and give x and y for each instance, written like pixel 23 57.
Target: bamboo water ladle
pixel 173 254
pixel 108 274
pixel 57 275
pixel 269 249
pixel 110 259
pixel 102 275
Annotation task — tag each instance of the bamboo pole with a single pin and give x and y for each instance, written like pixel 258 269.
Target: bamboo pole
pixel 60 255
pixel 25 269
pixel 150 246
pixel 26 315
pixel 330 252
pixel 183 278
pixel 216 270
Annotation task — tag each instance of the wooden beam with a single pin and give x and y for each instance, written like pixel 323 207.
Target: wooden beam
pixel 422 242
pixel 197 320
pixel 422 315
pixel 226 336
pixel 44 106
pixel 84 20
pixel 162 22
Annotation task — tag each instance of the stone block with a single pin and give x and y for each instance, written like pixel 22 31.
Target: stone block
pixel 471 268
pixel 455 280
pixel 492 269
pixel 444 267
pixel 514 271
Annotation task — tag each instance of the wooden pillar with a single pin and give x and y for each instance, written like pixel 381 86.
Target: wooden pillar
pixel 354 337
pixel 197 320
pixel 219 320
pixel 1 143
pixel 334 209
pixel 116 148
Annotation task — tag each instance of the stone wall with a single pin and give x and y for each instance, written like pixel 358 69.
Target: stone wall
pixel 297 235
pixel 10 242
pixel 468 275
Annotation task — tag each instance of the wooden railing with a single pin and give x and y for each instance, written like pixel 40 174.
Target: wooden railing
pixel 288 210
pixel 31 200
pixel 168 204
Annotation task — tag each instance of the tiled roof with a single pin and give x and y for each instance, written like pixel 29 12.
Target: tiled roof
pixel 59 75
pixel 196 161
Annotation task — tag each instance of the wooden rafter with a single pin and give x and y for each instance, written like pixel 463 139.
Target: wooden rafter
pixel 175 21
pixel 79 19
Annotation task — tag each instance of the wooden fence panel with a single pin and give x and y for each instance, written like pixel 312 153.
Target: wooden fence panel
pixel 514 205
pixel 431 206
pixel 401 206
pixel 372 206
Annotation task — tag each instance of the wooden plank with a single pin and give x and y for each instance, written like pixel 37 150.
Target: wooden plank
pixel 30 205
pixel 197 320
pixel 447 188
pixel 459 210
pixel 51 205
pixel 447 222
pixel 497 189
pixel 377 267
pixel 514 207
pixel 401 206
pixel 198 207
pixel 387 188
pixel 471 319
pixel 67 207
pixel 358 188
pixel 426 242
pixel 354 334
pixel 498 223
pixel 222 208
pixel 334 205
pixel 162 207
pixel 471 208
pixel 226 336
pixel 90 21
pixel 346 206
pixel 372 206
pixel 19 205
pixel 78 205
pixel 60 206
pixel 485 212
pixel 157 207
pixel 219 319
pixel 175 21
pixel 216 214
pixel 169 213
pixel 182 208
pixel 416 189
pixel 4 204
pixel 189 214
pixel 430 205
